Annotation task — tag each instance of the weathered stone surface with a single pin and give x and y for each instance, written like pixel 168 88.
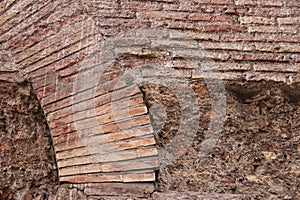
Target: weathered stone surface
pixel 259 142
pixel 27 157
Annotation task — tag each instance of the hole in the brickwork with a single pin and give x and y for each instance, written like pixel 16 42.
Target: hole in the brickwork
pixel 27 157
pixel 292 92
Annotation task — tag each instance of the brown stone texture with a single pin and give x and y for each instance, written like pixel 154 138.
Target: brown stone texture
pixel 27 158
pixel 257 152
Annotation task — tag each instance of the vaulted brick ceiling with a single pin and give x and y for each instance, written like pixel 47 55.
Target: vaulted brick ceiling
pixel 100 125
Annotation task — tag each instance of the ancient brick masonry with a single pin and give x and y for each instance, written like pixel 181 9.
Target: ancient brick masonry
pixel 56 44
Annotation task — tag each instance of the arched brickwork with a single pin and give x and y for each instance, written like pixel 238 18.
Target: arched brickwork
pixel 52 42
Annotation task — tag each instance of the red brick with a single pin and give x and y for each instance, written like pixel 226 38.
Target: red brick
pixel 56 105
pixel 269 3
pixel 29 21
pixel 221 2
pixel 260 57
pixel 36 44
pixel 59 55
pixel 161 15
pixel 44 81
pixel 120 104
pixel 18 43
pixel 12 78
pixel 169 44
pixel 5 4
pixel 10 13
pixel 74 140
pixel 209 17
pixel 245 2
pixel 274 67
pixel 275 3
pixel 63 130
pixel 241 52
pixel 288 38
pixel 7 67
pixel 237 46
pixel 224 27
pixel 69 137
pixel 218 75
pixel 190 35
pixel 294 79
pixel 292 3
pixel 256 20
pixel 226 67
pixel 137 164
pixel 259 37
pixel 71 70
pixel 46 91
pixel 88 146
pixel 53 54
pixel 103 4
pixel 130 41
pixel 23 13
pixel 60 93
pixel 179 64
pixel 107 128
pixel 272 29
pixel 124 23
pixel 180 7
pixel 178 73
pixel 176 25
pixel 92 179
pixel 109 157
pixel 128 14
pixel 133 122
pixel 267 77
pixel 139 5
pixel 113 189
pixel 238 37
pixel 278 47
pixel 201 54
pixel 296 58
pixel 289 20
pixel 112 116
pixel 137 177
pixel 267 11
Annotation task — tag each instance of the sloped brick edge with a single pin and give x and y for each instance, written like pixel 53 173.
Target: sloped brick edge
pixel 196 196
pixel 116 191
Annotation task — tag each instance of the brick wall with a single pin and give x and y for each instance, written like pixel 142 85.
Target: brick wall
pixel 77 53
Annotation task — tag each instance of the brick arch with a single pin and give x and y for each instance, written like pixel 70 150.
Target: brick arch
pixel 91 144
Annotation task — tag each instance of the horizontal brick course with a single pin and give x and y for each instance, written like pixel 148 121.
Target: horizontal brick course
pixel 100 178
pixel 111 189
pixel 138 164
pixel 289 20
pixel 108 157
pixel 256 20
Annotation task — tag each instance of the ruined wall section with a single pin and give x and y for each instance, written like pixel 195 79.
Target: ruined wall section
pixel 249 41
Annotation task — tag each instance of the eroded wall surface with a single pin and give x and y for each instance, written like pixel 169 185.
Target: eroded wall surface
pixel 27 158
